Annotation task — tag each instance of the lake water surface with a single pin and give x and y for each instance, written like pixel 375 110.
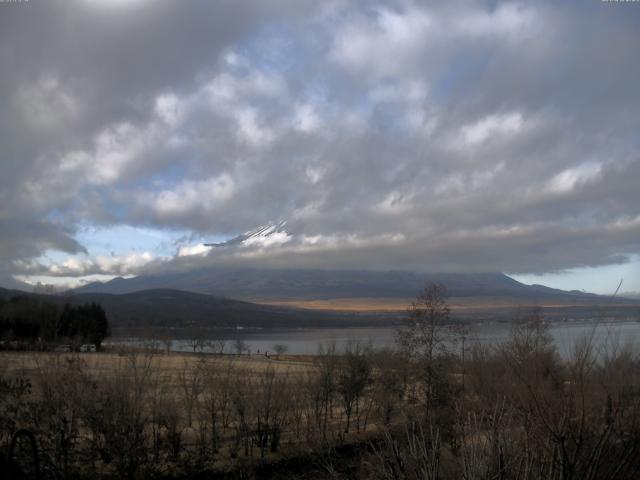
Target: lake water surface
pixel 566 335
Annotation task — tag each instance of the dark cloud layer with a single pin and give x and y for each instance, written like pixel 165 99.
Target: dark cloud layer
pixel 464 135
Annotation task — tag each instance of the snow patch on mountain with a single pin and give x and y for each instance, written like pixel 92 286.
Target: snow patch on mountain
pixel 263 236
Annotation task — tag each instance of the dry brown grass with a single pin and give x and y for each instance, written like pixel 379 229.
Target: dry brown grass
pixel 29 364
pixel 343 304
pixel 365 304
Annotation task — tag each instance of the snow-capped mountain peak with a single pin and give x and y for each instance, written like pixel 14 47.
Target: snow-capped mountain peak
pixel 262 236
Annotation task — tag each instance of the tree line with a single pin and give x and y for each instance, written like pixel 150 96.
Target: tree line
pixel 30 319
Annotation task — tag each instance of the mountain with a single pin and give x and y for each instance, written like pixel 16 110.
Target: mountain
pixel 8 282
pixel 176 309
pixel 298 284
pixel 474 297
pixel 273 232
pixel 632 295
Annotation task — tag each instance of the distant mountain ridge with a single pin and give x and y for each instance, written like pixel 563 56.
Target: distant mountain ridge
pixel 178 309
pixel 632 295
pixel 474 297
pixel 252 284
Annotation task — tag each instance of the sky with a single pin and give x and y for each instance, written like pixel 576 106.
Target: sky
pixel 396 135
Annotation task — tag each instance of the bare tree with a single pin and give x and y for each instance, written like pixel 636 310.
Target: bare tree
pixel 239 346
pixel 190 381
pixel 241 391
pixel 412 456
pixel 218 396
pixel 270 398
pixel 353 376
pixel 166 340
pixel 57 417
pixel 325 386
pixel 280 349
pixel 216 345
pixel 388 387
pixel 423 338
pixel 423 334
pixel 197 338
pixel 116 415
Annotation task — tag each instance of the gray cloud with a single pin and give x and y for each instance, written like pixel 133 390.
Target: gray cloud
pixel 455 136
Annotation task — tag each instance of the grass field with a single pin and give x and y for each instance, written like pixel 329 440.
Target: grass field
pixel 172 411
pixel 32 364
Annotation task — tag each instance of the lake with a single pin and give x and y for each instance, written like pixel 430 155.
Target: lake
pixel 307 341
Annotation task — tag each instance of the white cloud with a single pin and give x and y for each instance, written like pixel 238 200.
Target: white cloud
pixel 123 264
pixel 47 104
pixel 394 203
pixel 490 127
pixel 82 265
pixel 314 174
pixel 228 88
pixel 204 195
pixel 116 4
pixel 116 150
pixel 63 283
pixel 508 20
pixel 567 180
pixel 306 119
pixel 190 250
pixel 235 60
pixel 403 41
pixel 321 243
pixel 361 43
pixel 251 129
pixel 168 107
pixel 410 91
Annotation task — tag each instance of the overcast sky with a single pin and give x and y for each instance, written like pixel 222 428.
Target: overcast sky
pixel 436 136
